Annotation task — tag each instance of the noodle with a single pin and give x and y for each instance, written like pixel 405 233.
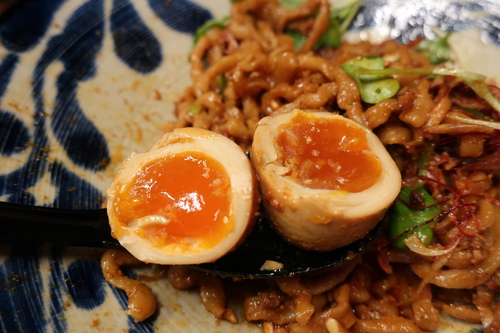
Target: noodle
pixel 141 301
pixel 251 69
pixel 211 290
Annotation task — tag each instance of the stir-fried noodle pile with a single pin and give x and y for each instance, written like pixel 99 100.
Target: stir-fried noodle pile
pixel 251 68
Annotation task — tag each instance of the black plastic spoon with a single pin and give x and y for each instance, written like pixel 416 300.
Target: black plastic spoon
pixel 31 225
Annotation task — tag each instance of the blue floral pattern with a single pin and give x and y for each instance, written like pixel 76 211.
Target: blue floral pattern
pixel 34 288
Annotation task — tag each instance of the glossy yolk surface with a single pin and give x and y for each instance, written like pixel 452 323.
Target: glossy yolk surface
pixel 191 190
pixel 324 153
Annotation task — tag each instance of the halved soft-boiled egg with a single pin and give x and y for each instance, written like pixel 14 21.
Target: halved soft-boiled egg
pixel 326 181
pixel 190 199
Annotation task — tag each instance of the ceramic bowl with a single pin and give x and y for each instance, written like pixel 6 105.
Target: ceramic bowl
pixel 83 83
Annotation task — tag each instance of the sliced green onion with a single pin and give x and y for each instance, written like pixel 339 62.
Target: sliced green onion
pixel 222 82
pixel 331 37
pixel 472 112
pixel 291 4
pixel 481 89
pixel 406 220
pixel 423 163
pixel 476 82
pixel 347 13
pixel 193 109
pixel 298 38
pixel 366 62
pixel 340 19
pixel 208 25
pixel 437 50
pixel 467 120
pixel 373 87
pixel 376 91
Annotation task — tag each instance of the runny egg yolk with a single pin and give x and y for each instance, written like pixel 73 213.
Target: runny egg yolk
pixel 191 194
pixel 325 153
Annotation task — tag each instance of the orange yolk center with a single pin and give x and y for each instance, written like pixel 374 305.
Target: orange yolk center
pixel 191 190
pixel 330 154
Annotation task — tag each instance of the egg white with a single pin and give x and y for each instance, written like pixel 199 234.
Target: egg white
pixel 244 197
pixel 319 219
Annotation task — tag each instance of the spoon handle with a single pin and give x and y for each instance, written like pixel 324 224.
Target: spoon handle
pixel 33 225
